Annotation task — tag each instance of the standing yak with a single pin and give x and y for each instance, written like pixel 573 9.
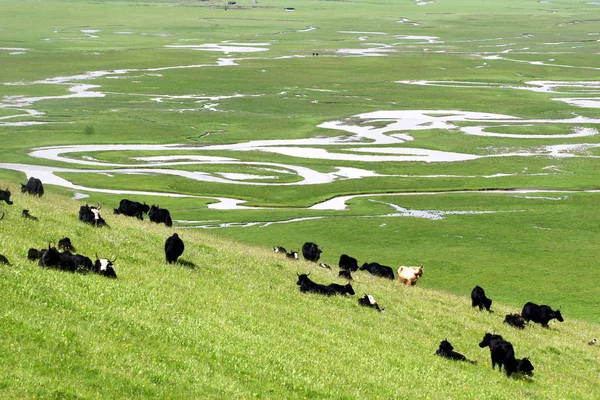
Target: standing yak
pixel 173 248
pixel 33 186
pixel 311 251
pixel 160 215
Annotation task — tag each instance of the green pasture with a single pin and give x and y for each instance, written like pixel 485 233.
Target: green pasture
pixel 230 322
pixel 164 331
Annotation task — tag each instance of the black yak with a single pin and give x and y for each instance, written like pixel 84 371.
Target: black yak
pixel 173 248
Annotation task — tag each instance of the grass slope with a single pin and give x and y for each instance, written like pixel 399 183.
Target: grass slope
pixel 236 326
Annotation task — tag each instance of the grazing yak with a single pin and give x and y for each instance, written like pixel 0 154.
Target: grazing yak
pixel 25 214
pixel 446 350
pixel 540 314
pixel 342 289
pixel 348 263
pixel 160 215
pixel 478 299
pixel 378 269
pixel 409 275
pixel 369 301
pixel 311 251
pixel 323 265
pixel 5 195
pixel 292 254
pixel 592 342
pixel 307 285
pixel 501 352
pixel 524 366
pixel 91 215
pixel 132 209
pixel 173 248
pixel 34 187
pixel 515 320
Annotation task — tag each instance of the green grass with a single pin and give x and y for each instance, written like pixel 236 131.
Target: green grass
pixel 236 326
pixel 175 339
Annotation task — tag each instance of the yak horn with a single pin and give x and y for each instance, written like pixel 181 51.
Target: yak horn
pixel 2 214
pixel 112 261
pixel 99 206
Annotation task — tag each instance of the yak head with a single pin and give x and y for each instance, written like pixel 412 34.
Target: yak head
pixel 348 289
pixel 558 315
pixel 104 267
pixel 302 278
pixel 488 338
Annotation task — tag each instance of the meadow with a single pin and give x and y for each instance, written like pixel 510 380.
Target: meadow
pixel 230 322
pixel 464 133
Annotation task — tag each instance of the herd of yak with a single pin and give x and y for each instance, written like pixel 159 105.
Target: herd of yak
pixel 66 260
pixel 501 351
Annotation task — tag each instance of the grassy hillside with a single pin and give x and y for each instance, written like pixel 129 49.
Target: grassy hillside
pixel 236 326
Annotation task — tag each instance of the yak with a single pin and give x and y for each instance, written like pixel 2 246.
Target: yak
pixel 409 275
pixel 540 314
pixel 25 214
pixel 446 350
pixel 132 209
pixel 307 285
pixel 173 248
pixel 369 301
pixel 4 260
pixel 501 352
pixel 348 263
pixel 515 320
pixel 91 215
pixel 5 195
pixel 478 299
pixel 375 268
pixel 33 186
pixel 342 289
pixel 160 215
pixel 311 251
pixel 104 267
